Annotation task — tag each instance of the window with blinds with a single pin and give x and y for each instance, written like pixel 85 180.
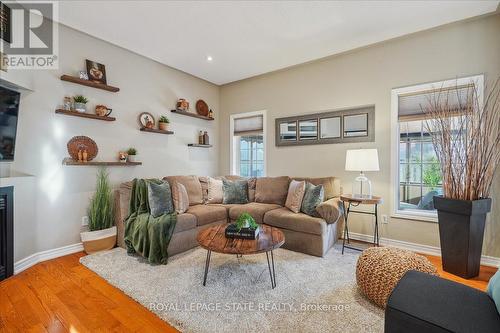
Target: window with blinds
pixel 419 176
pixel 248 125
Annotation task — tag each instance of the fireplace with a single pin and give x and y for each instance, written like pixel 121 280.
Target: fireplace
pixel 6 232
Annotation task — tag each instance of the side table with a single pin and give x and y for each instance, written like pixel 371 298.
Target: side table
pixel 353 201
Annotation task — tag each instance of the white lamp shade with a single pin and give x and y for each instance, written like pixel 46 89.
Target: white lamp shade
pixel 361 160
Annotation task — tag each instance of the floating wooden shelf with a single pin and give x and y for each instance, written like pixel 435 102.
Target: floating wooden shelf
pixel 154 130
pixel 72 162
pixel 191 114
pixel 89 83
pixel 198 145
pixel 84 115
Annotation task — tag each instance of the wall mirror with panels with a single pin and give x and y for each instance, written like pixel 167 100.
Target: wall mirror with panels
pixel 339 126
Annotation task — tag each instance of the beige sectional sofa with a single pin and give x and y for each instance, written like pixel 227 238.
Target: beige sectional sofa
pixel 313 235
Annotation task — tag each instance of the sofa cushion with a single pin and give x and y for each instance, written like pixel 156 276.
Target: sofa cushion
pixel 180 197
pixel 286 219
pixel 330 210
pixel 272 190
pixel 234 191
pixel 251 185
pixel 295 195
pixel 192 185
pixel 257 210
pixel 185 222
pixel 214 190
pixel 226 206
pixel 160 199
pixel 206 214
pixel 330 184
pixel 313 196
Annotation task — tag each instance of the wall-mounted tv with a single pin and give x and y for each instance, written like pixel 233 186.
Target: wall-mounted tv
pixel 9 110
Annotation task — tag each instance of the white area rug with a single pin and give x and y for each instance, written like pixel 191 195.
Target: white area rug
pixel 312 294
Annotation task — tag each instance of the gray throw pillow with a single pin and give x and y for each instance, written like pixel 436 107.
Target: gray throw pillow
pixel 160 199
pixel 313 196
pixel 234 192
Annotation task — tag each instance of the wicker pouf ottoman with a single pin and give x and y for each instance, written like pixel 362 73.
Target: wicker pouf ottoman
pixel 379 269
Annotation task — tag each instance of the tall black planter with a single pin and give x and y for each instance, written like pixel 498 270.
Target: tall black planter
pixel 461 231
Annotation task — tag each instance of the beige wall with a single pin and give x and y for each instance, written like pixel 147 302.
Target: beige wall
pixel 362 77
pixel 62 193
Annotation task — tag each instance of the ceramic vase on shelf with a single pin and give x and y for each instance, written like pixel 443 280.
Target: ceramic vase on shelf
pixel 163 126
pixel 80 107
pixel 131 158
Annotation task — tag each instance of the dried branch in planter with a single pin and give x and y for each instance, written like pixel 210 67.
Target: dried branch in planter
pixel 466 137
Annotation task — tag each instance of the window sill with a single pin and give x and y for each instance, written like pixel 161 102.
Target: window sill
pixel 415 215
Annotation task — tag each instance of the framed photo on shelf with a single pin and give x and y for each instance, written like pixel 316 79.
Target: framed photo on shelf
pixel 96 71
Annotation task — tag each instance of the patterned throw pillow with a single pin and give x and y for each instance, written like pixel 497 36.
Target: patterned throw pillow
pixel 295 195
pixel 180 196
pixel 215 193
pixel 234 192
pixel 160 199
pixel 313 196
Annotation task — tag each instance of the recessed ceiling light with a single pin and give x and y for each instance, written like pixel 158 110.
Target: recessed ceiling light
pixel 209 58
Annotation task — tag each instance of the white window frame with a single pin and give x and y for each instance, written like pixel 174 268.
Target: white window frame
pixel 234 157
pixel 414 214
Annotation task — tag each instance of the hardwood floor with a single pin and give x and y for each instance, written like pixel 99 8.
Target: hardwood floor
pixel 61 295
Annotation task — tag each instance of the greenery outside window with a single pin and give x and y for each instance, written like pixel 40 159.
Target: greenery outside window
pixel 419 170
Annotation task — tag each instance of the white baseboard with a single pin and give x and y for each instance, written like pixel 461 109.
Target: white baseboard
pixel 35 258
pixel 425 249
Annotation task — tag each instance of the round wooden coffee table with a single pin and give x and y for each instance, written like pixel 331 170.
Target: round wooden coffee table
pixel 214 239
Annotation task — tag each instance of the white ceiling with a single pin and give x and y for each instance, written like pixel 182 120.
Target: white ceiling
pixel 248 38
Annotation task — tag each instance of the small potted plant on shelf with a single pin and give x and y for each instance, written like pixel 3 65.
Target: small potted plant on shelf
pixel 163 123
pixel 80 103
pixel 131 154
pixel 102 233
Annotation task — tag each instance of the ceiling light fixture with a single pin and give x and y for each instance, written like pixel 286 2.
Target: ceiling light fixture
pixel 209 58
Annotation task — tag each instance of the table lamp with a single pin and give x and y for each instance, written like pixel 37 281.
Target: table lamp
pixel 361 160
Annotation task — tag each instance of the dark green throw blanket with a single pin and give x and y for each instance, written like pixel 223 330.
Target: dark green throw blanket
pixel 144 234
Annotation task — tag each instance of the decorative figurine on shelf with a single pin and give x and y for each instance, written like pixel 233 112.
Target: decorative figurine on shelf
pixel 182 104
pixel 200 138
pixel 206 139
pixel 122 157
pixel 85 156
pixel 83 75
pixel 80 155
pixel 102 110
pixel 68 103
pixel 211 114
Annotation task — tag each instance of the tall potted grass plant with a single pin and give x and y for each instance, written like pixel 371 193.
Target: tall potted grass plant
pixel 102 233
pixel 466 137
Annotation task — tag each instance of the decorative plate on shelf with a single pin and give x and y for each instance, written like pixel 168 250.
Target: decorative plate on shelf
pixel 202 108
pixel 82 143
pixel 147 120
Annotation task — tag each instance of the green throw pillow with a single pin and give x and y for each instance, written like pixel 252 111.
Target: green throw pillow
pixel 160 199
pixel 494 289
pixel 313 196
pixel 234 192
